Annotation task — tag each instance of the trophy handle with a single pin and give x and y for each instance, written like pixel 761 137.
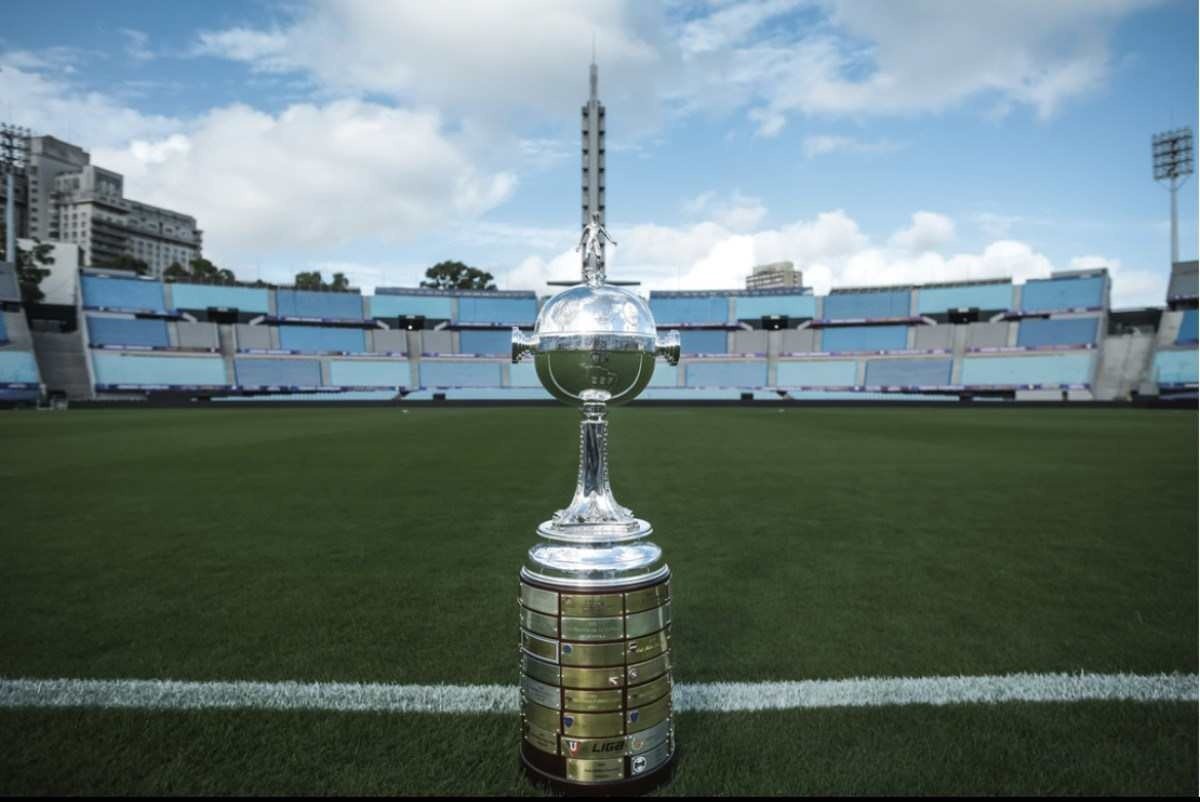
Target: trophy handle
pixel 522 344
pixel 666 345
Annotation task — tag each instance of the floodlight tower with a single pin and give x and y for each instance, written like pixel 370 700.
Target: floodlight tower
pixel 14 153
pixel 1173 164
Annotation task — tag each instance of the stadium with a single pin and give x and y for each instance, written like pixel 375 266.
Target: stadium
pixel 926 538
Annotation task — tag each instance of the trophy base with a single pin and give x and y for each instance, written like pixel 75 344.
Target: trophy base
pixel 596 707
pixel 542 769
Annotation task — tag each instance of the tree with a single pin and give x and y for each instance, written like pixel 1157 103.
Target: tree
pixel 457 276
pixel 200 270
pixel 311 280
pixel 126 262
pixel 29 270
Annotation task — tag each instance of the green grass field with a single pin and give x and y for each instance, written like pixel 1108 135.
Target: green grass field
pixel 370 545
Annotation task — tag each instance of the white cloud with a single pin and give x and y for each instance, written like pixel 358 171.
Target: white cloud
pixel 475 58
pixel 738 212
pixel 310 177
pixel 49 104
pixel 1130 286
pixel 830 249
pixel 137 44
pixel 824 144
pixel 929 231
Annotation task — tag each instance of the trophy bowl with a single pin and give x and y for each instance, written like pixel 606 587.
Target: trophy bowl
pixel 595 343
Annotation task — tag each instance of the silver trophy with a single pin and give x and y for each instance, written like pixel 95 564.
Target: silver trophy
pixel 595 598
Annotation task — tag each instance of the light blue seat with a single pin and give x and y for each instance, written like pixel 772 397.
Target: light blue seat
pixel 1036 332
pixel 795 306
pixel 1187 328
pixel 672 310
pixel 122 293
pixel 1176 367
pixel 514 311
pixel 849 339
pixel 1050 294
pixel 135 369
pixel 435 373
pixel 434 307
pixel 485 341
pixel 203 296
pixel 744 373
pixel 254 372
pixel 1051 370
pixel 318 339
pixel 18 367
pixel 311 303
pixel 818 373
pixel 703 341
pixel 145 333
pixel 369 373
pixel 908 372
pixel 939 300
pixel 866 305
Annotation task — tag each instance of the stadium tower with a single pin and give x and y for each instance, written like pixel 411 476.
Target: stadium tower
pixel 593 156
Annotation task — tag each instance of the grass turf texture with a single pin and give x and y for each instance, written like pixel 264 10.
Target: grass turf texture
pixel 369 545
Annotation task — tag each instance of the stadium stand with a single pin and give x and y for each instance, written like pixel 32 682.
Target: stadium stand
pixel 1041 370
pixel 983 339
pixel 875 304
pixel 18 367
pixel 312 304
pixel 129 369
pixel 127 332
pixel 1083 290
pixel 369 373
pixel 864 339
pixel 201 297
pixel 266 372
pixel 940 300
pixel 1057 332
pixel 20 377
pixel 321 340
pixel 108 292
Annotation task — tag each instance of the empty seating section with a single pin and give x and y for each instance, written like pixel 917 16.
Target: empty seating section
pixel 703 341
pixel 18 367
pixel 750 342
pixel 1187 328
pixel 753 307
pixel 908 372
pixel 939 300
pixel 197 335
pixel 102 292
pixel 317 339
pixel 747 373
pixel 670 310
pixel 799 342
pixel 434 307
pixel 134 369
pixel 389 341
pixel 10 288
pixel 369 373
pixel 1049 294
pixel 523 374
pixel 664 375
pixel 825 373
pixel 510 311
pixel 849 339
pixel 485 341
pixel 933 338
pixel 987 335
pixel 204 296
pixel 3 328
pixel 136 332
pixel 1043 369
pixel 459 374
pixel 327 305
pixel 253 337
pixel 853 305
pixel 253 372
pixel 437 342
pixel 1176 367
pixel 1040 332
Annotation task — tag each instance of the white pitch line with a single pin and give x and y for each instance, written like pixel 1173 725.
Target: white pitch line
pixel 716 696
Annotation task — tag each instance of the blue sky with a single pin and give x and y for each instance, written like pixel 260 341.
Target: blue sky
pixel 870 142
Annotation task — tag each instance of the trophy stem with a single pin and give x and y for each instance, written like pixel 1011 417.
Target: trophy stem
pixel 593 503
